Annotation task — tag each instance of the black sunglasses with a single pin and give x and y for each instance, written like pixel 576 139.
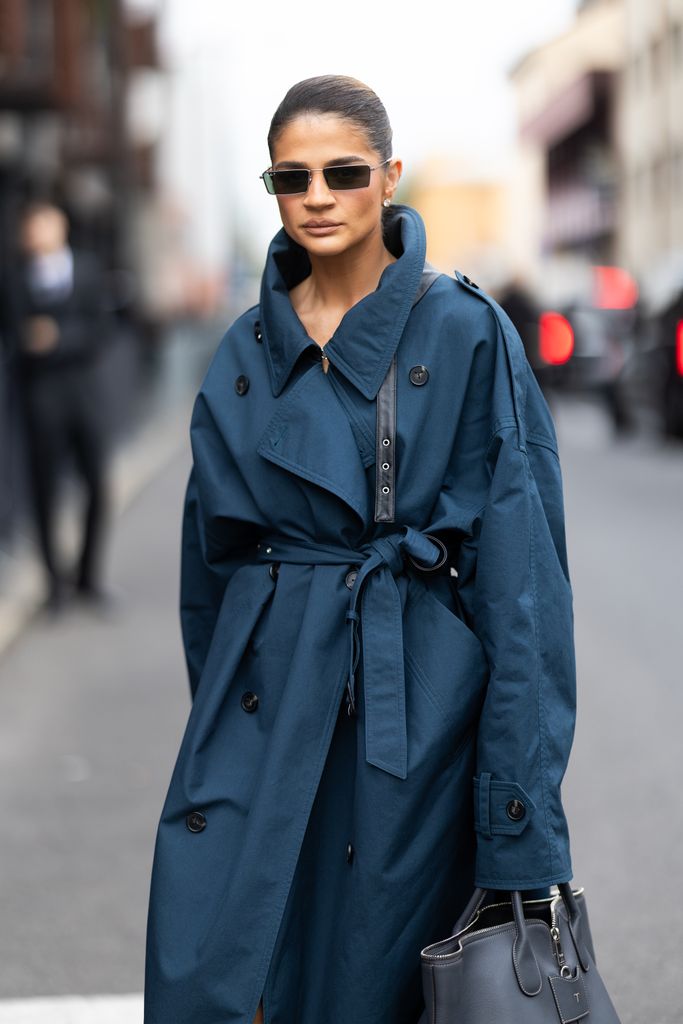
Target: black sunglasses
pixel 296 180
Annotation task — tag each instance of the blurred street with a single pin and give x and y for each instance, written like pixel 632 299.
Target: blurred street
pixel 87 748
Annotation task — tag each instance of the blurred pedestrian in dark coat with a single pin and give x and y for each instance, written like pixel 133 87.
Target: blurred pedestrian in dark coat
pixel 60 329
pixel 522 308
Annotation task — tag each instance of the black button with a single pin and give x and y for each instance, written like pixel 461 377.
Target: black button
pixel 249 701
pixel 195 821
pixel 242 384
pixel 274 569
pixel 515 810
pixel 349 853
pixel 257 331
pixel 351 578
pixel 419 374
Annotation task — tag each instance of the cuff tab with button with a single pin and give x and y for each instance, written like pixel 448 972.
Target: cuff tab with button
pixel 500 807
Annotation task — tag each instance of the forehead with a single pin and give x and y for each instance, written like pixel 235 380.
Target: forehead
pixel 313 139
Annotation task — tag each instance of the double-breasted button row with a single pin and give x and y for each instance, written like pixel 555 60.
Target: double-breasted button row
pixel 249 701
pixel 242 384
pixel 258 334
pixel 196 821
pixel 351 578
pixel 349 852
pixel 274 570
pixel 419 374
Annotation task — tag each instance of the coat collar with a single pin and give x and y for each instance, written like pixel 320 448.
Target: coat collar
pixel 365 341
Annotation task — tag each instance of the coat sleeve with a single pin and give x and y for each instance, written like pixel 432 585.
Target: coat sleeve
pixel 215 534
pixel 519 602
pixel 201 586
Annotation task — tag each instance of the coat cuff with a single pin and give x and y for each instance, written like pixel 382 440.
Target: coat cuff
pixel 513 849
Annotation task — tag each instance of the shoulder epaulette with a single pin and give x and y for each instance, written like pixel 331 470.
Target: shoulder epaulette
pixel 514 350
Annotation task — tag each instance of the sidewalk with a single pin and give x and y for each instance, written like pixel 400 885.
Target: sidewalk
pixel 73 1010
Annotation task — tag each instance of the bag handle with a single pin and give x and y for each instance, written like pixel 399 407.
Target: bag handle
pixel 524 960
pixel 574 916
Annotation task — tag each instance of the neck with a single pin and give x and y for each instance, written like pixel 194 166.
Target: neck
pixel 339 282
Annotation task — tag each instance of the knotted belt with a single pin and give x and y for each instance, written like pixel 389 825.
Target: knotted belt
pixel 375 603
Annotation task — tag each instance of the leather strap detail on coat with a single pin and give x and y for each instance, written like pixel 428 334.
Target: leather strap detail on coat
pixel 385 444
pixel 385 432
pixel 375 606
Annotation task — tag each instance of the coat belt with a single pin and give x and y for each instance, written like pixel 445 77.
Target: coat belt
pixel 375 603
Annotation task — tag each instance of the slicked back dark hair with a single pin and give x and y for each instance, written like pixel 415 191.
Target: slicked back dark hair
pixel 335 94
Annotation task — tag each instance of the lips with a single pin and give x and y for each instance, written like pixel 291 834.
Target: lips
pixel 321 224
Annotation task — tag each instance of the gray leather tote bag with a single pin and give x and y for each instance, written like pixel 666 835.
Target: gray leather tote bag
pixel 517 961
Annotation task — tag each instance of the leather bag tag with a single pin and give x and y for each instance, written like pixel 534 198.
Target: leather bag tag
pixel 570 997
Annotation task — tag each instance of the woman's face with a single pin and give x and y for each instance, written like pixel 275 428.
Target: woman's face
pixel 352 215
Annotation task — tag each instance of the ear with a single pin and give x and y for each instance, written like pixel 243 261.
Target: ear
pixel 393 174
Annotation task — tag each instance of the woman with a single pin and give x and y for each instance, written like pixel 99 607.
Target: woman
pixel 371 735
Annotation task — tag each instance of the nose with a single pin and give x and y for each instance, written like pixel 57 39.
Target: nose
pixel 318 192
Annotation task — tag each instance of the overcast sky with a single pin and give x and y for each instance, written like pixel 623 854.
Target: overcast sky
pixel 439 67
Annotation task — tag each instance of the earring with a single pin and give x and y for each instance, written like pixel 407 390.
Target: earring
pixel 387 201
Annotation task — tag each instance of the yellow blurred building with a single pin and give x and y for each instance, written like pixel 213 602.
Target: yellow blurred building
pixel 465 214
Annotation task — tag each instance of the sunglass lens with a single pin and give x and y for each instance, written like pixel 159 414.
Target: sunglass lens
pixel 350 176
pixel 289 182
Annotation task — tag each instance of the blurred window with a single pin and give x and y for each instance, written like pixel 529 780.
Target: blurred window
pixel 677 46
pixel 677 173
pixel 659 179
pixel 656 61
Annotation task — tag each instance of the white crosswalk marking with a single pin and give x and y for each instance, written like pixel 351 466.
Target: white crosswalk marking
pixel 73 1010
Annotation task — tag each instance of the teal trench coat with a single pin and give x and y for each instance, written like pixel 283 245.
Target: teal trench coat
pixel 371 735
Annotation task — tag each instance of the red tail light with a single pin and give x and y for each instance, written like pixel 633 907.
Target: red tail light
pixel 679 348
pixel 556 338
pixel 613 288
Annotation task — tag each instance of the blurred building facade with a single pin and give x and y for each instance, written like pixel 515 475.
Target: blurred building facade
pixel 569 110
pixel 650 240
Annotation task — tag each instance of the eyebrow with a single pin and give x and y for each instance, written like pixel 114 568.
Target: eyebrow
pixel 336 162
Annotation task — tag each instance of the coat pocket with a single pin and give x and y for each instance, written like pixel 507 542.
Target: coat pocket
pixel 445 657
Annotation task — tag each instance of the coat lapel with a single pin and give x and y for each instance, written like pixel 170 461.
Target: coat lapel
pixel 310 435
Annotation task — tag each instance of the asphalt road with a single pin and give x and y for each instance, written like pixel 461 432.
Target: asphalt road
pixel 92 710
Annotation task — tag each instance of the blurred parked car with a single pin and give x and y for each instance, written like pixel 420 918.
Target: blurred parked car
pixel 651 382
pixel 584 343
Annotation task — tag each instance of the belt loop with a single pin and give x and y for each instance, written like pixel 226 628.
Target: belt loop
pixel 484 804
